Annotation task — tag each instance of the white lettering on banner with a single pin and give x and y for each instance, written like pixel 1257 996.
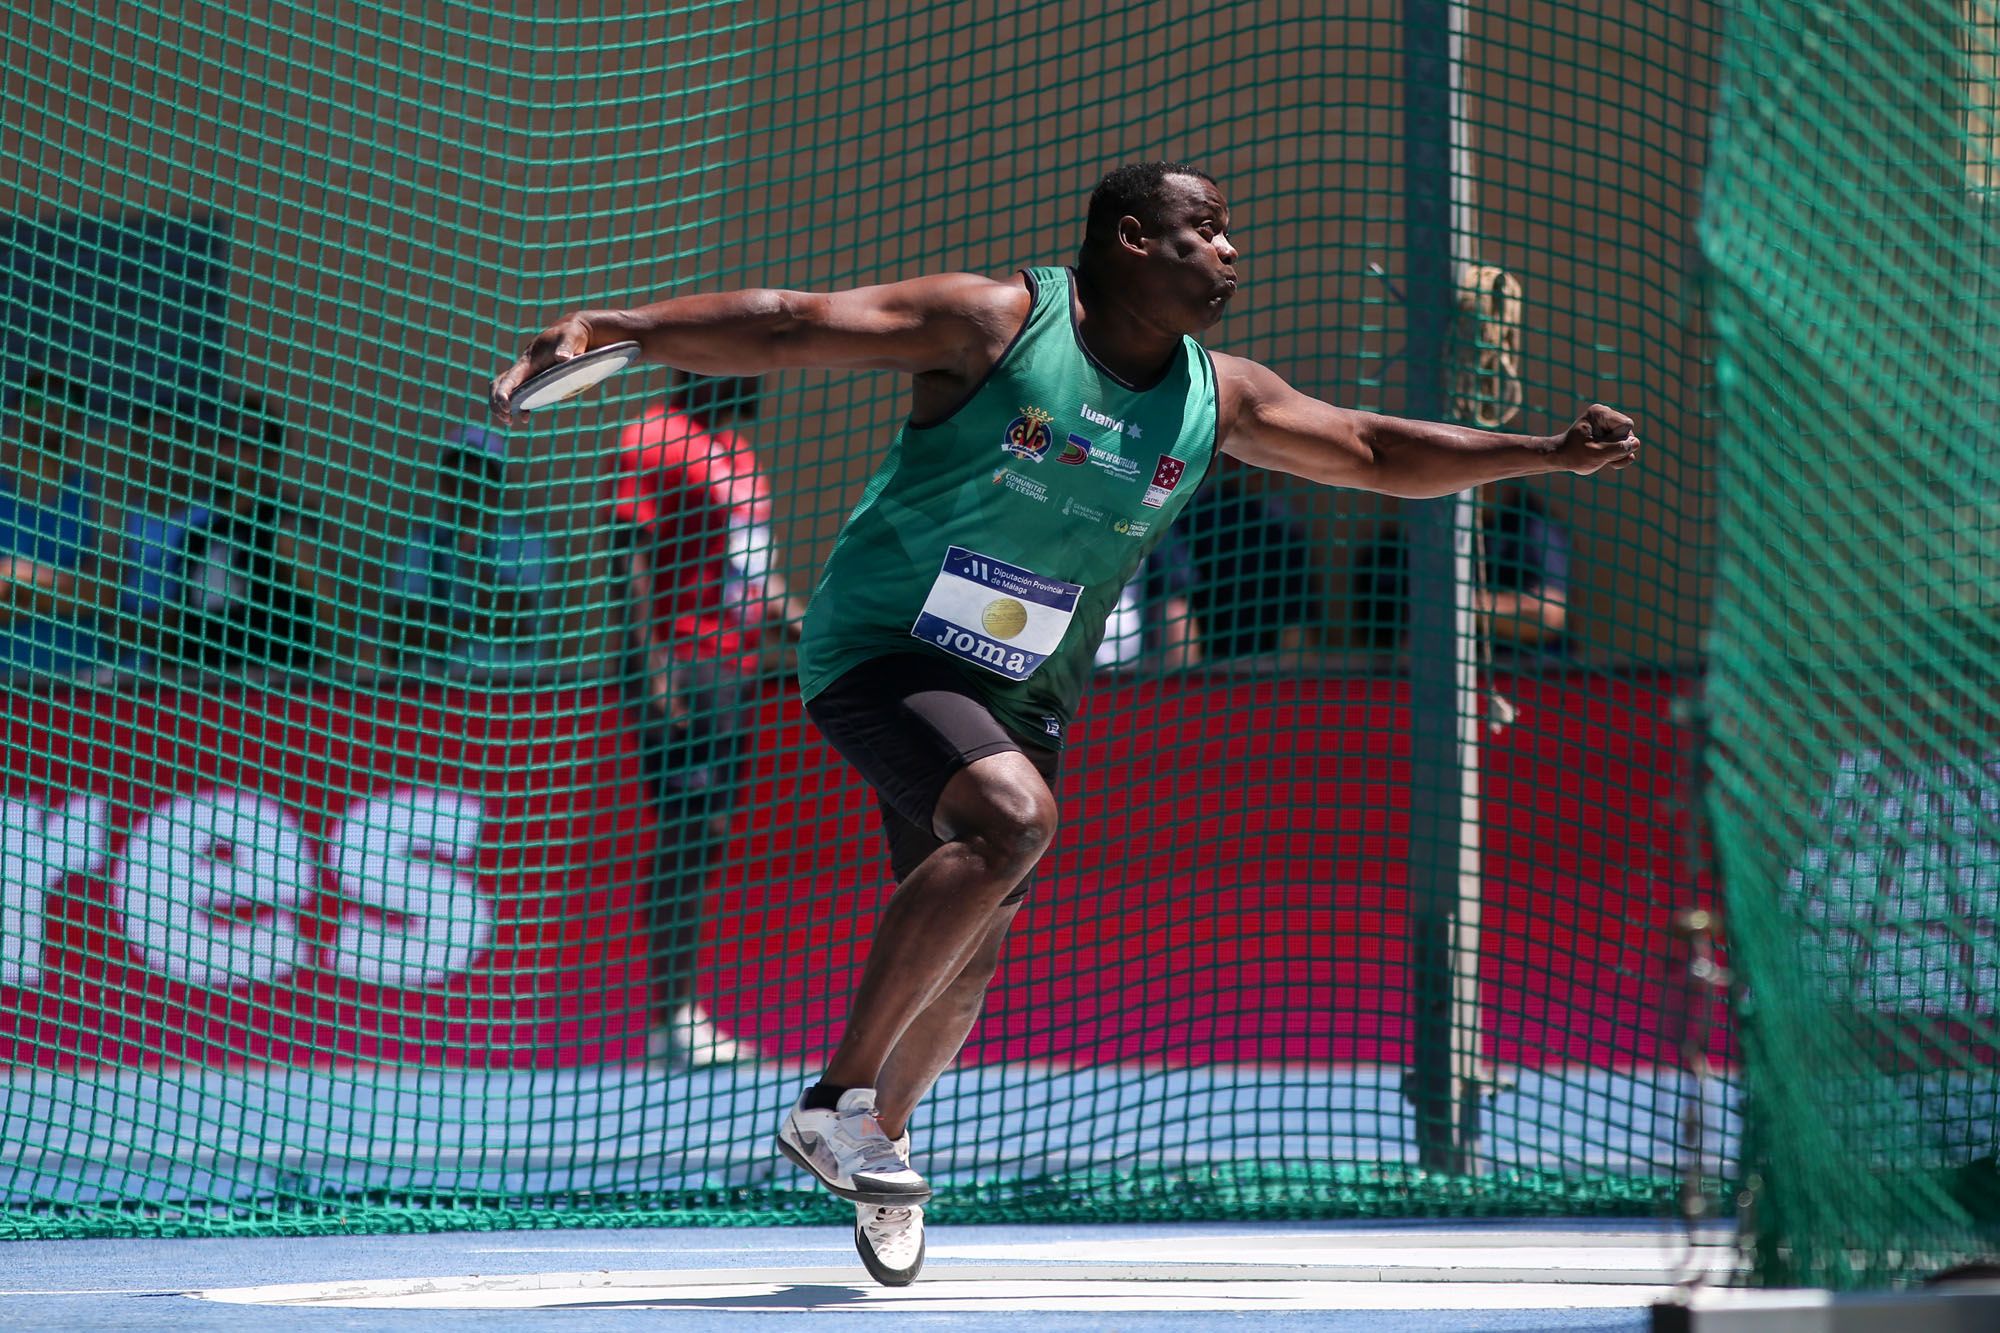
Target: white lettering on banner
pixel 417 916
pixel 1903 886
pixel 210 888
pixel 39 848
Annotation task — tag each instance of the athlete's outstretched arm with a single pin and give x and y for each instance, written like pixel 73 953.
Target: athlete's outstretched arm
pixel 943 323
pixel 1272 425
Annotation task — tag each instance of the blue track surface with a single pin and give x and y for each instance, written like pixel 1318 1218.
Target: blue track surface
pixel 174 1134
pixel 140 1284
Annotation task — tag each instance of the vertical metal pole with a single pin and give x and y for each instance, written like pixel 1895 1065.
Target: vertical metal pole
pixel 1444 1079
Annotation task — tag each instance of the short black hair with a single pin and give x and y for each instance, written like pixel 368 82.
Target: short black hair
pixel 1137 189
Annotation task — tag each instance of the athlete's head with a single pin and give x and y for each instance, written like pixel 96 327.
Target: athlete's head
pixel 1161 230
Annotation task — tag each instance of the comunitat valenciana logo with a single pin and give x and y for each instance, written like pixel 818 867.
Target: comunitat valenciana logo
pixel 223 888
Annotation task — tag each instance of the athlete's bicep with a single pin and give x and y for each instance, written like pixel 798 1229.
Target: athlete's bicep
pixel 917 327
pixel 1270 424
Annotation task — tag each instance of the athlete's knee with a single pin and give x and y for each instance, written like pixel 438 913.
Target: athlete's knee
pixel 1013 832
pixel 1003 810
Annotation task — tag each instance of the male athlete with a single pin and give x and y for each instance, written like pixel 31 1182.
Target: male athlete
pixel 1059 420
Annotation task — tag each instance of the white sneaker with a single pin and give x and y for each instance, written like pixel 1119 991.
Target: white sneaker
pixel 850 1154
pixel 692 1040
pixel 891 1242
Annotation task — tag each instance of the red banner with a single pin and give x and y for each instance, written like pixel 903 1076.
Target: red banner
pixel 1229 884
pixel 439 880
pixel 452 879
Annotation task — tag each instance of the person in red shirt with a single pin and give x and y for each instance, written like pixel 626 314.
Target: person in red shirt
pixel 708 616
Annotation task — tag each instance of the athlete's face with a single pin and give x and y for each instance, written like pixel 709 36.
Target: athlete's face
pixel 1191 252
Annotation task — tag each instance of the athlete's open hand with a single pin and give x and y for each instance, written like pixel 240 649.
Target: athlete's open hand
pixel 558 342
pixel 1599 438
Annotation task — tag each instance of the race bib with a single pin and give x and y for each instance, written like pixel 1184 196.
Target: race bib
pixel 996 615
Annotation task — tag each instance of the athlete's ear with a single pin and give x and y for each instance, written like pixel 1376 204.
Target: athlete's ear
pixel 1132 234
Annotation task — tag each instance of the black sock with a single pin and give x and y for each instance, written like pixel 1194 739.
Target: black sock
pixel 824 1096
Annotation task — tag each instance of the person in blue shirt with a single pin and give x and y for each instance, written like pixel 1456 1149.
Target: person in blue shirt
pixel 1523 602
pixel 1247 567
pixel 1153 623
pixel 471 581
pixel 50 565
pixel 217 585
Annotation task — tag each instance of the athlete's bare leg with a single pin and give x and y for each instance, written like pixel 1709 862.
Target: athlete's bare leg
pixel 932 1042
pixel 996 816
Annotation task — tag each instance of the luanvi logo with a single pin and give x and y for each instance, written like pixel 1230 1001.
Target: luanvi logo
pixel 1109 422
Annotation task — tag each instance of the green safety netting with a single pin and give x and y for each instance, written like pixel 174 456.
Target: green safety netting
pixel 400 834
pixel 1850 223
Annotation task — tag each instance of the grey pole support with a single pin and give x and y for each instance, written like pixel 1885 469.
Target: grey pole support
pixel 1444 1083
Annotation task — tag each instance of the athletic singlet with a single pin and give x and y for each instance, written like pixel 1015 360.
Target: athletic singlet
pixel 1001 536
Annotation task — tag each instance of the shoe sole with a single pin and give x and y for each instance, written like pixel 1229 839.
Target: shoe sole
pixel 710 1060
pixel 888 1277
pixel 881 1198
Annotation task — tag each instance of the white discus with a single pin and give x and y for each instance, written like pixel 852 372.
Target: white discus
pixel 566 379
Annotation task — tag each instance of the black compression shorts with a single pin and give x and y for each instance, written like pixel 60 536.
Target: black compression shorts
pixel 909 722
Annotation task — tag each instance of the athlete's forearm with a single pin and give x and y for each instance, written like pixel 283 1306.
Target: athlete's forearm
pixel 947 322
pixel 1273 425
pixel 953 323
pixel 713 333
pixel 1421 460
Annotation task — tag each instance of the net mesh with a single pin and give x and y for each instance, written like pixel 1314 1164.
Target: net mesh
pixel 1857 807
pixel 401 832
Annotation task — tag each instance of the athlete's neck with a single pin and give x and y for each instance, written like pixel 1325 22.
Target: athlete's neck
pixel 1118 334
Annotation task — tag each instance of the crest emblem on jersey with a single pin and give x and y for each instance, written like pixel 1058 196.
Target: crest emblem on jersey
pixel 1166 476
pixel 1028 435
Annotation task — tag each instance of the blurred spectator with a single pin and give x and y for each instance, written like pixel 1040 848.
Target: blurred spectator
pixel 1523 601
pixel 471 582
pixel 708 615
pixel 1247 565
pixel 1526 598
pixel 217 584
pixel 1378 587
pixel 50 535
pixel 1153 619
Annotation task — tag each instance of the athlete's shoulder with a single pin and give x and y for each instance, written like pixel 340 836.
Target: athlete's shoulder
pixel 1238 371
pixel 1241 384
pixel 965 293
pixel 971 295
pixel 954 307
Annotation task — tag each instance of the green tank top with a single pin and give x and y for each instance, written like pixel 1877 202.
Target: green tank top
pixel 1000 537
